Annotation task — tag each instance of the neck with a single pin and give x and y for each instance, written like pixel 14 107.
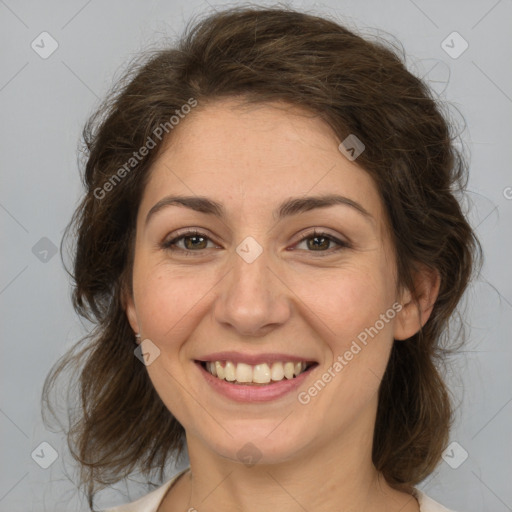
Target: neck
pixel 340 478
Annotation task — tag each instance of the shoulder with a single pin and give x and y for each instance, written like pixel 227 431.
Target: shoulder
pixel 150 502
pixel 428 504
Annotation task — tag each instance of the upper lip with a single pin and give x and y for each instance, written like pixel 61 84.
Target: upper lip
pixel 253 359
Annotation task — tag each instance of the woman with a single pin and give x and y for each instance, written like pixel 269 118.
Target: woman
pixel 271 249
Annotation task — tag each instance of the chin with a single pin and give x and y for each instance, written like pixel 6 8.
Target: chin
pixel 264 445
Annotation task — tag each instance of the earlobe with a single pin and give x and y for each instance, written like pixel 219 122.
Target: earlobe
pixel 417 305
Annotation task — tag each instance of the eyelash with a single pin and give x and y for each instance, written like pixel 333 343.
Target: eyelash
pixel 193 233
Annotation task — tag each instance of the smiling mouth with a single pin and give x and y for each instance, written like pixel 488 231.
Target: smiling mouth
pixel 256 375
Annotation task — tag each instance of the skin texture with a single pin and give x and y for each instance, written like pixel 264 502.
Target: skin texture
pixel 291 299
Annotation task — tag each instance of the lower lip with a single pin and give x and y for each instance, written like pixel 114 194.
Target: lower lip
pixel 259 393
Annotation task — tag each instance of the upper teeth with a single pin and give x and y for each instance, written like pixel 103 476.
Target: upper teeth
pixel 258 373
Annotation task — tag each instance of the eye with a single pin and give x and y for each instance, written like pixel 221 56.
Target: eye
pixel 193 241
pixel 320 242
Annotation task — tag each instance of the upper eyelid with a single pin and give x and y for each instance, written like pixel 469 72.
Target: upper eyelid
pixel 188 232
pixel 340 241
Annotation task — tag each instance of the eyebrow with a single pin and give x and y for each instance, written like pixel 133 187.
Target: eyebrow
pixel 292 206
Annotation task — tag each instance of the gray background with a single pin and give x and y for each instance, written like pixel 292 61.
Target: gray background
pixel 44 104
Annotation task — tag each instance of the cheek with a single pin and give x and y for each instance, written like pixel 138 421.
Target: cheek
pixel 169 300
pixel 349 300
pixel 359 313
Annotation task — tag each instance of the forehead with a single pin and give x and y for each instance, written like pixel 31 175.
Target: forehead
pixel 254 157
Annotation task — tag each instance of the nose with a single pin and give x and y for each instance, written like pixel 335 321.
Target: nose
pixel 252 299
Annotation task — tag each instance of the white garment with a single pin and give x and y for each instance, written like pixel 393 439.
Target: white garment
pixel 152 501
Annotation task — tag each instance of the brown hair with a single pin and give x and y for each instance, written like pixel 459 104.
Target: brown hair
pixel 358 87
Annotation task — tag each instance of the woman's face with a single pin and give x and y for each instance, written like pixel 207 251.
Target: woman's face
pixel 247 290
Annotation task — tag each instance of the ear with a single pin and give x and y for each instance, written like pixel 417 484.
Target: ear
pixel 417 304
pixel 129 308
